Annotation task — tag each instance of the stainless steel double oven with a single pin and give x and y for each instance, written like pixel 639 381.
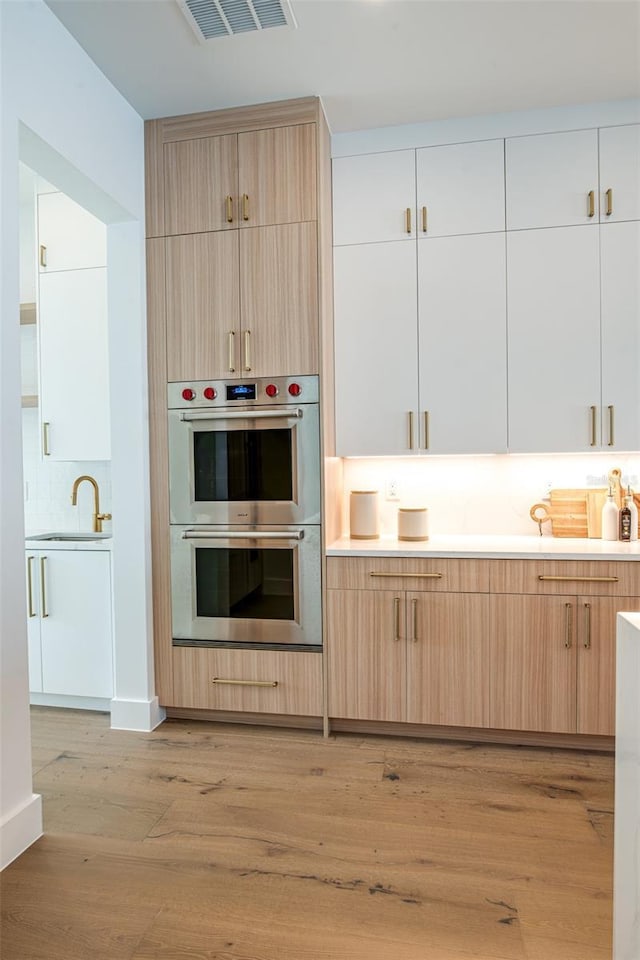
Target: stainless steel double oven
pixel 244 491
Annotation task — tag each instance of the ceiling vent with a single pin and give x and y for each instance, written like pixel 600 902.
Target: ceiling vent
pixel 221 18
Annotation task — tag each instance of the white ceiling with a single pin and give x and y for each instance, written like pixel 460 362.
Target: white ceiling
pixel 374 62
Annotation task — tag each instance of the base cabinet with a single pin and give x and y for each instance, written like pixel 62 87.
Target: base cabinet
pixel 69 623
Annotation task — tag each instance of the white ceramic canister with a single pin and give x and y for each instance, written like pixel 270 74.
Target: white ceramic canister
pixel 413 523
pixel 363 515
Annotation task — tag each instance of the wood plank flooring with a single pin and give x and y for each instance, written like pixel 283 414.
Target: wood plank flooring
pixel 205 841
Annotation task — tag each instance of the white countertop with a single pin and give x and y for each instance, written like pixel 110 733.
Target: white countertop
pixel 490 546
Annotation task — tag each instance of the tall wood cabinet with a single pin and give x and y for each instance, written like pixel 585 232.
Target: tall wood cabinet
pixel 239 280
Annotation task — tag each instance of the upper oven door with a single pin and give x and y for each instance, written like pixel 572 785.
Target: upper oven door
pixel 249 465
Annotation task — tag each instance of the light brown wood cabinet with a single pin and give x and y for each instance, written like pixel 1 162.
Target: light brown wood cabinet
pixel 417 655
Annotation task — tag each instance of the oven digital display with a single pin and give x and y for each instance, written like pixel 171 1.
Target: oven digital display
pixel 241 391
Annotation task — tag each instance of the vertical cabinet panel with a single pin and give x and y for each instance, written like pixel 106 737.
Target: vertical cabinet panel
pixel 199 176
pixel 620 300
pixel 73 238
pixel 462 344
pixel 532 669
pixel 460 188
pixel 553 302
pixel 375 344
pixel 366 655
pixel 448 659
pixel 203 306
pixel 549 178
pixel 620 173
pixel 277 174
pixel 371 194
pixel 279 300
pixel 74 364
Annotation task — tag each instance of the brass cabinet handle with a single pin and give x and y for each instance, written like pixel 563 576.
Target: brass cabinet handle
pixel 594 425
pixel 568 607
pixel 43 588
pixel 426 429
pixel 410 424
pixel 247 346
pixel 43 255
pixel 420 576
pixel 232 334
pixel 609 196
pixel 245 206
pixel 611 426
pixel 579 579
pixel 245 683
pixel 45 439
pixel 32 612
pixel 229 209
pixel 587 626
pixel 592 203
pixel 396 618
pixel 414 617
pixel 408 219
pixel 424 219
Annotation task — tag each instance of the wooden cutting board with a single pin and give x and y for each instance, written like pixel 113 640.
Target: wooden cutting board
pixel 576 512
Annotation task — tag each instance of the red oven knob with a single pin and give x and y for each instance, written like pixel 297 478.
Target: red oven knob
pixel 295 389
pixel 210 393
pixel 271 390
pixel 188 394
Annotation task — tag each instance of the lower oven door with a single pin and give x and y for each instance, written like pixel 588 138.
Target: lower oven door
pixel 246 584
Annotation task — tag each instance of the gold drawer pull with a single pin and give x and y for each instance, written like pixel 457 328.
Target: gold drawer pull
pixel 611 442
pixel 580 579
pixel 44 612
pixel 396 618
pixel 43 255
pixel 594 426
pixel 245 206
pixel 414 609
pixel 229 209
pixel 568 624
pixel 30 560
pixel 592 203
pixel 245 683
pixel 587 626
pixel 422 576
pixel 609 196
pixel 424 219
pixel 408 219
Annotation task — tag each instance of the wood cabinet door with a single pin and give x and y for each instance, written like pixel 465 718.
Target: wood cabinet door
pixel 533 663
pixel 279 300
pixel 277 175
pixel 201 185
pixel 72 237
pixel 366 654
pixel 597 661
pixel 620 305
pixel 549 178
pixel 74 364
pixel 376 364
pixel 460 188
pixel 203 306
pixel 553 296
pixel 371 196
pixel 448 659
pixel 462 331
pixel 76 623
pixel 619 173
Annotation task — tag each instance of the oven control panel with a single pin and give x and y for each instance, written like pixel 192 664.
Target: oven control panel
pixel 263 391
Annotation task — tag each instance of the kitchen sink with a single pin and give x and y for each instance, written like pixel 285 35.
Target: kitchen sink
pixel 79 537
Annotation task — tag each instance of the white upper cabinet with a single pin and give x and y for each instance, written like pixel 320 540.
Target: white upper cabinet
pixel 552 180
pixel 620 173
pixel 460 188
pixel 376 365
pixel 462 342
pixel 69 237
pixel 371 196
pixel 620 294
pixel 553 296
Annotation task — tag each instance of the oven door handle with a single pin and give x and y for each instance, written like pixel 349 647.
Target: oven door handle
pixel 242 535
pixel 240 414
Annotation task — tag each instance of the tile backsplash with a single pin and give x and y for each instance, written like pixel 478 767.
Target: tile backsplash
pixel 482 494
pixel 48 483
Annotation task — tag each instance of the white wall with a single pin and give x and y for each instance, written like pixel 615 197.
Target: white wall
pixel 67 122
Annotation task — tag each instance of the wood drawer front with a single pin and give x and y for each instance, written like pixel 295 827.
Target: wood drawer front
pixel 298 677
pixel 591 578
pixel 408 573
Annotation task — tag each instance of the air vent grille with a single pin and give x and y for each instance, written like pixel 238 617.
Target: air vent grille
pixel 220 18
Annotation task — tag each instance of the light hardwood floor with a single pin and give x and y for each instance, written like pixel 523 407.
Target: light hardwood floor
pixel 214 842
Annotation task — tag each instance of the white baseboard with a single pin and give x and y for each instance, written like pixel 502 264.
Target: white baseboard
pixel 20 829
pixel 102 704
pixel 141 715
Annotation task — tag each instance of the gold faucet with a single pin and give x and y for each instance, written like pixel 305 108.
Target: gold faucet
pixel 97 516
